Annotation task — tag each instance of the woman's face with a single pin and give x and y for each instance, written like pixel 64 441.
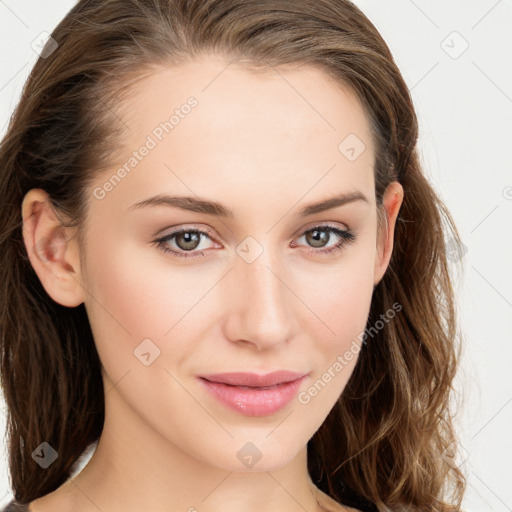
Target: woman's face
pixel 250 291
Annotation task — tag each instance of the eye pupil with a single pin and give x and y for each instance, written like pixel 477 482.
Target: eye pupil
pixel 317 235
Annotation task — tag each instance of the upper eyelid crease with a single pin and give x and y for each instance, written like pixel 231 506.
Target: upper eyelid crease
pixel 197 205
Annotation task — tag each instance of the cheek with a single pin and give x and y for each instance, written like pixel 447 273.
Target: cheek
pixel 345 311
pixel 133 288
pixel 137 295
pixel 341 299
pixel 344 297
pixel 334 356
pixel 124 305
pixel 344 307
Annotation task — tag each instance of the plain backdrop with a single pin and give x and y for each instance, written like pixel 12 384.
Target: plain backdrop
pixel 455 58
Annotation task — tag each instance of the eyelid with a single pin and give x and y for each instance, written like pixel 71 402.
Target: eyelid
pixel 311 225
pixel 173 230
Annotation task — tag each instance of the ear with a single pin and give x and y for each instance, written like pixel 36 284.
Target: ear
pixel 52 249
pixel 391 203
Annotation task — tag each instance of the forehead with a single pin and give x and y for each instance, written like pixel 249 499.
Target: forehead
pixel 210 125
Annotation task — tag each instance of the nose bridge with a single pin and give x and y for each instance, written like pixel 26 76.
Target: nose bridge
pixel 260 298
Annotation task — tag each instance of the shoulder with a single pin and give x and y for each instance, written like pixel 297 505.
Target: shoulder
pixel 14 506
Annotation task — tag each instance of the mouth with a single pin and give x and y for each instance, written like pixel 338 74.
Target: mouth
pixel 252 394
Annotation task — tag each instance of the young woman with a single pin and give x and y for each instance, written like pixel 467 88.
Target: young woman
pixel 223 268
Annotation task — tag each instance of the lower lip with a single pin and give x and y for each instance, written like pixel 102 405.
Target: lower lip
pixel 254 401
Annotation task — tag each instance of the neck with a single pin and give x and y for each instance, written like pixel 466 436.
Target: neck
pixel 136 468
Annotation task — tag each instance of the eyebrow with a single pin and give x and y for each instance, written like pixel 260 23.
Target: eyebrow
pixel 198 205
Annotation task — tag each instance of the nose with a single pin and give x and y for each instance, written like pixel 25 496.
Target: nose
pixel 260 308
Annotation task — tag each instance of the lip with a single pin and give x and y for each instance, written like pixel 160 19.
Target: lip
pixel 253 379
pixel 252 394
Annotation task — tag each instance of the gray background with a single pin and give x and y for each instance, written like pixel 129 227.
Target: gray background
pixel 455 57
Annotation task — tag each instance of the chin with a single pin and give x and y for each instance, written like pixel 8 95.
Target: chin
pixel 246 456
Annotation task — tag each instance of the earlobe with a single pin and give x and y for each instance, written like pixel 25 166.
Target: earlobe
pixel 52 249
pixel 391 203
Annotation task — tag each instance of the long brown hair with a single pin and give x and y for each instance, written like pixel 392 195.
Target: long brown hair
pixel 386 438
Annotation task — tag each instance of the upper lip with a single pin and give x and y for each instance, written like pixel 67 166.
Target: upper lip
pixel 253 379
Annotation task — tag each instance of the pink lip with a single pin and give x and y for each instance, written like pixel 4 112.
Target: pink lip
pixel 252 394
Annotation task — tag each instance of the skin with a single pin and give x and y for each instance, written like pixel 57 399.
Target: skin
pixel 264 146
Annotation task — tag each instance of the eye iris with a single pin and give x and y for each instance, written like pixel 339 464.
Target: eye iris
pixel 189 237
pixel 317 235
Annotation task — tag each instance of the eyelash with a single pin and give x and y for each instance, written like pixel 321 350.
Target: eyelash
pixel 346 236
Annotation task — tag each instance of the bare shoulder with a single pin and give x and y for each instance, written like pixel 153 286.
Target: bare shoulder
pixel 46 504
pixel 56 501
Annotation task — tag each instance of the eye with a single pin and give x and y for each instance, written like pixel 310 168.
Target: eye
pixel 187 240
pixel 318 236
